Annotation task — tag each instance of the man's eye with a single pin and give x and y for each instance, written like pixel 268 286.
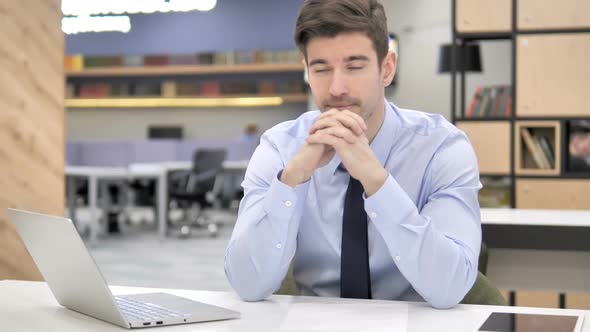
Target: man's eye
pixel 355 68
pixel 321 70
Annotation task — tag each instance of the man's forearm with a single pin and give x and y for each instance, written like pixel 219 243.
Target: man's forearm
pixel 264 239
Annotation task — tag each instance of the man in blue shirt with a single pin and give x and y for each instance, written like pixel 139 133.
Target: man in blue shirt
pixel 420 228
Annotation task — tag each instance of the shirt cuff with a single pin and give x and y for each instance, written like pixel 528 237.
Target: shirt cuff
pixel 281 200
pixel 390 196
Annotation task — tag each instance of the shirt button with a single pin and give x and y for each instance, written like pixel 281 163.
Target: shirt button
pixel 288 203
pixel 279 246
pixel 397 258
pixel 374 215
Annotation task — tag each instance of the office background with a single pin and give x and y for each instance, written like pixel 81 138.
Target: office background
pixel 37 125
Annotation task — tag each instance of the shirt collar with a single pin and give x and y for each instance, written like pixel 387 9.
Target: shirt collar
pixel 383 141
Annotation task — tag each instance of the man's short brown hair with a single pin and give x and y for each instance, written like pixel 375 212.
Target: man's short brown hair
pixel 329 18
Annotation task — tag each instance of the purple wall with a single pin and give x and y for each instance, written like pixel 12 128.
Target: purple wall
pixel 231 25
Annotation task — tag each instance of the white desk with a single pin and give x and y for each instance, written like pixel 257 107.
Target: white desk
pixel 530 217
pixel 533 269
pixel 155 171
pixel 30 306
pixel 94 174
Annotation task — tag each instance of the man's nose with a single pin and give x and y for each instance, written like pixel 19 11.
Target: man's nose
pixel 338 85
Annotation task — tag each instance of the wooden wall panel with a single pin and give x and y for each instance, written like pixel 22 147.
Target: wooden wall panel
pixel 553 194
pixel 537 299
pixel 31 122
pixel 549 14
pixel 553 75
pixel 577 301
pixel 491 142
pixel 484 16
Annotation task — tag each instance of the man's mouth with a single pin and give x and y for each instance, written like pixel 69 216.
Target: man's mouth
pixel 340 107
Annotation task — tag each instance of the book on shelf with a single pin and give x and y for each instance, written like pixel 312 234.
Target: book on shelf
pixel 490 101
pixel 238 88
pixel 78 62
pixel 146 89
pixel 547 150
pixel 534 149
pixel 187 88
pixel 267 87
pixel 474 101
pixel 210 88
pixel 156 60
pixel 169 89
pixel 74 62
pixel 133 61
pixel 94 90
pixel 183 59
pixel 206 58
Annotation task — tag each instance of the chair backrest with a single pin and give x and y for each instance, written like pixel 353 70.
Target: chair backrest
pixel 208 160
pixel 482 291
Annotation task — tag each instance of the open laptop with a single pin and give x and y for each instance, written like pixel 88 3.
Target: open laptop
pixel 77 284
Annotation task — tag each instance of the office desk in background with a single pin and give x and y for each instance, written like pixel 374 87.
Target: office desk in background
pixel 30 306
pixel 154 171
pixel 538 250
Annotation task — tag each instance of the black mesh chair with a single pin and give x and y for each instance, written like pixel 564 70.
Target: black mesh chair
pixel 192 190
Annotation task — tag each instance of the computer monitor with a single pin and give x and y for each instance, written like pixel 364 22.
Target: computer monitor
pixel 163 132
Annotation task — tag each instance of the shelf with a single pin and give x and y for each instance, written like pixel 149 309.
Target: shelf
pixel 537 148
pixel 482 119
pixel 188 102
pixel 569 176
pixel 473 36
pixel 184 70
pixel 494 175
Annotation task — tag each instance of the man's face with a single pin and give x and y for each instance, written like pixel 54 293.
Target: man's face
pixel 344 73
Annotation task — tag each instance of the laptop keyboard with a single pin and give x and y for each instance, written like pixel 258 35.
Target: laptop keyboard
pixel 134 309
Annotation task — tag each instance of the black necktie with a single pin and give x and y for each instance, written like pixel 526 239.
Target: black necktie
pixel 355 280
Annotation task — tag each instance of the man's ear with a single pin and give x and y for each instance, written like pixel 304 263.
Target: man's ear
pixel 388 68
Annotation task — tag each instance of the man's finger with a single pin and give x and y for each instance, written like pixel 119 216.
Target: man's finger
pixel 337 120
pixel 340 132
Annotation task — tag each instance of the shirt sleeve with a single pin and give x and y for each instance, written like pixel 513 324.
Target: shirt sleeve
pixel 436 247
pixel 263 241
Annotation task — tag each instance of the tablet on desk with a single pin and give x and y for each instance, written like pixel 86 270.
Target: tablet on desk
pixel 526 322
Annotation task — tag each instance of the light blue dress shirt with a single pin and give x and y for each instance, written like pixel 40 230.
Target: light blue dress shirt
pixel 424 224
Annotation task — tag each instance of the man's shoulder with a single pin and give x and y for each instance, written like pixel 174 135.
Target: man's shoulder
pixel 425 124
pixel 293 129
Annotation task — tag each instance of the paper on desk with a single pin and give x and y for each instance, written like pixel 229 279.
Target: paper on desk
pixel 367 317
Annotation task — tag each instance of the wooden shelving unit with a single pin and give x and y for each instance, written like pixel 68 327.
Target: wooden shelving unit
pixel 186 102
pixel 177 70
pixel 550 82
pixel 168 75
pixel 550 79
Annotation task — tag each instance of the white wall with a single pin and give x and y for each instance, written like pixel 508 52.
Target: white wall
pixel 422 26
pixel 132 124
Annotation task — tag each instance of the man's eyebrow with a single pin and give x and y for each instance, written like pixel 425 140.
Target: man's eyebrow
pixel 318 62
pixel 356 58
pixel 347 59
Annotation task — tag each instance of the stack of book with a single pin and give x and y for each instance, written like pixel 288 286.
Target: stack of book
pixel 79 62
pixel 490 102
pixel 539 148
pixel 184 88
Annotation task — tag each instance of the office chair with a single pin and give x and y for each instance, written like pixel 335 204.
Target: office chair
pixel 192 190
pixel 482 291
